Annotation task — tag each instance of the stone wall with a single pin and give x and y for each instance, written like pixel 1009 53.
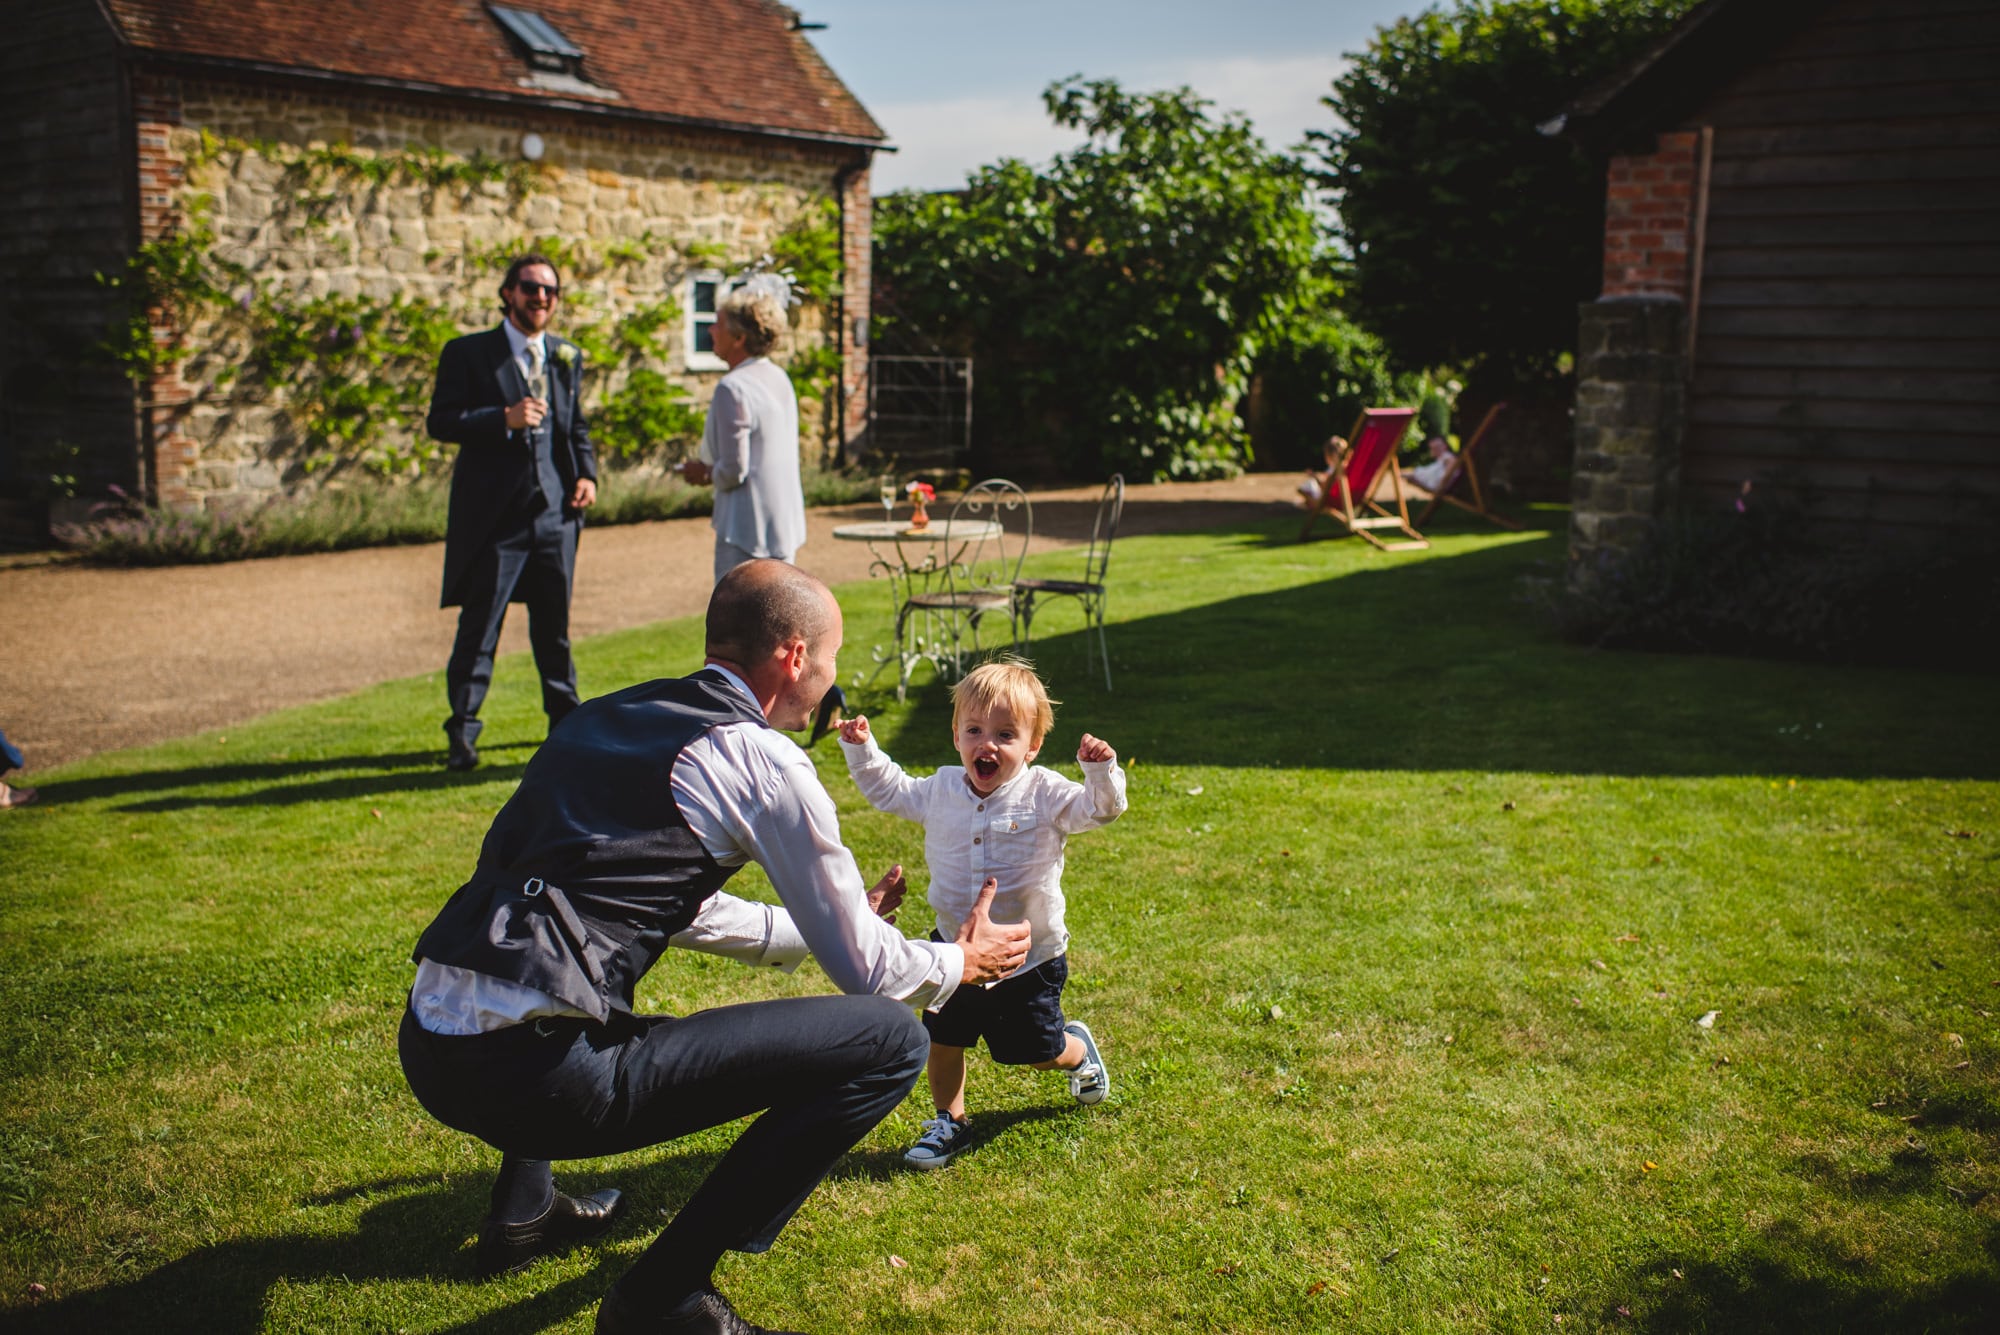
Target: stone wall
pixel 1631 400
pixel 687 200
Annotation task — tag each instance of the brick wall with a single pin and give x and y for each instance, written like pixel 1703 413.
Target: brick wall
pixel 857 250
pixel 1648 215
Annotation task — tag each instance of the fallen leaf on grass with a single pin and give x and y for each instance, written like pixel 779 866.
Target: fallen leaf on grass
pixel 376 812
pixel 1961 1066
pixel 1629 936
pixel 1448 1039
pixel 1707 1020
pixel 1965 834
pixel 898 1262
pixel 37 1290
pixel 1195 791
pixel 1622 1310
pixel 1599 964
pixel 1506 806
pixel 1647 1166
pixel 1955 1040
pixel 1389 1255
pixel 1879 1103
pixel 1284 852
pixel 1677 1274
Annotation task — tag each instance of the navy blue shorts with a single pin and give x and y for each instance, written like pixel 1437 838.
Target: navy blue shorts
pixel 1020 1018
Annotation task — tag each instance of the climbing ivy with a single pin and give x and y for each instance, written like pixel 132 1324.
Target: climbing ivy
pixel 352 373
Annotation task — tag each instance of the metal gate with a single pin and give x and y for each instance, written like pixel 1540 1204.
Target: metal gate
pixel 920 410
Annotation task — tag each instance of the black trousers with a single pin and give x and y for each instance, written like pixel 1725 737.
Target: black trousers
pixel 824 1071
pixel 531 562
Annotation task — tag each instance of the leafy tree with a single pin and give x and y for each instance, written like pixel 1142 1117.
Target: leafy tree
pixel 1114 300
pixel 1474 236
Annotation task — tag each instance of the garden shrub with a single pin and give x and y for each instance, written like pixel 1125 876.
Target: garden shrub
pixel 1761 578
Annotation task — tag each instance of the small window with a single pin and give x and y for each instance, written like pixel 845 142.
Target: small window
pixel 544 46
pixel 706 291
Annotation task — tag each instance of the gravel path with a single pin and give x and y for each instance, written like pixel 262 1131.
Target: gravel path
pixel 99 660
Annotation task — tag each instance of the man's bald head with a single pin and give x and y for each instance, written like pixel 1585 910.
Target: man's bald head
pixel 762 605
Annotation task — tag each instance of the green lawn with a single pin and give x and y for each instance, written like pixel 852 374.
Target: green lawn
pixel 1398 959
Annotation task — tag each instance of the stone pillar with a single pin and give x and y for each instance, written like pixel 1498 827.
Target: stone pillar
pixel 1631 400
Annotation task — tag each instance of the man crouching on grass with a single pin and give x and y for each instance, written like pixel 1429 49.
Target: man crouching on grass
pixel 520 1028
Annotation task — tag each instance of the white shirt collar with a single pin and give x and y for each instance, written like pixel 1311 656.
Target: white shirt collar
pixel 519 342
pixel 735 681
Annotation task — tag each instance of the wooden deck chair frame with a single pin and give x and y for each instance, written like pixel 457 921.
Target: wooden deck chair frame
pixel 1468 470
pixel 1090 591
pixel 1349 495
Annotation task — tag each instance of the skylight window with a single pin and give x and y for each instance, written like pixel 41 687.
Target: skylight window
pixel 544 46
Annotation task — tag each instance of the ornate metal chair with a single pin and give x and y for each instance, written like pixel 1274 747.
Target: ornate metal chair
pixel 989 530
pixel 1089 591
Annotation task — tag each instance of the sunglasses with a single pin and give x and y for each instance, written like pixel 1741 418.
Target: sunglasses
pixel 529 288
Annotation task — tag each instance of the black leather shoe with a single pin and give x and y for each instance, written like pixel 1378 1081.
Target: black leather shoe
pixel 463 755
pixel 712 1316
pixel 832 709
pixel 505 1248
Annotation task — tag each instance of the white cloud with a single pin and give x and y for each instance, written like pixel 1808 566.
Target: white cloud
pixel 940 141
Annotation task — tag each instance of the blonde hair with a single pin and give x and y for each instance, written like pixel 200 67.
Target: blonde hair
pixel 1011 682
pixel 757 316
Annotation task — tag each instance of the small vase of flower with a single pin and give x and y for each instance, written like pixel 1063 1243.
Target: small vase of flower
pixel 921 495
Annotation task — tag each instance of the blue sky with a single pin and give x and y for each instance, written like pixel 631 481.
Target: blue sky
pixel 958 84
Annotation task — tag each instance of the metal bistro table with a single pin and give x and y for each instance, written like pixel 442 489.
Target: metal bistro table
pixel 913 560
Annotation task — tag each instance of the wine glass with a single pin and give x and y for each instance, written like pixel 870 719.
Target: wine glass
pixel 888 499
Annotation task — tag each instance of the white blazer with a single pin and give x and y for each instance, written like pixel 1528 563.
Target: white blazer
pixel 751 440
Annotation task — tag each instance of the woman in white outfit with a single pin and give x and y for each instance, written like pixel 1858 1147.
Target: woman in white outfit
pixel 750 446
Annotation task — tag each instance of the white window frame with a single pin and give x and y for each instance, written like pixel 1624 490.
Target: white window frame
pixel 724 285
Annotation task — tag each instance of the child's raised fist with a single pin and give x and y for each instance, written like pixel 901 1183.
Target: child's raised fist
pixel 1095 749
pixel 854 731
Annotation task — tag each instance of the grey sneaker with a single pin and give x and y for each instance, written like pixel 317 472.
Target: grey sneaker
pixel 944 1136
pixel 1091 1081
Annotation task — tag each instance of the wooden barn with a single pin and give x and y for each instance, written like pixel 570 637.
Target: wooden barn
pixel 1801 269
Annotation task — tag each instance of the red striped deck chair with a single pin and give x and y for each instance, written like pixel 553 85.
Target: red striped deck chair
pixel 1349 493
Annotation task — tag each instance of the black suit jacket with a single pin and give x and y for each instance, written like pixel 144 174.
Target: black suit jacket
pixel 476 380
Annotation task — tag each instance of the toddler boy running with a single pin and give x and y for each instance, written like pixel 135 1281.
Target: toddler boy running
pixel 998 818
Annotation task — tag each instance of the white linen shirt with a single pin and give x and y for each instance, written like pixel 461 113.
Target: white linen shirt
pixel 749 794
pixel 1015 834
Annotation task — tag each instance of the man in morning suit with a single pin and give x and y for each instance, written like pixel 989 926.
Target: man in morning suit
pixel 526 472
pixel 521 1030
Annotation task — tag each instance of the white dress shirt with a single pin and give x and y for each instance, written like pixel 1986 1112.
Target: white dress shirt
pixel 1015 834
pixel 520 342
pixel 748 794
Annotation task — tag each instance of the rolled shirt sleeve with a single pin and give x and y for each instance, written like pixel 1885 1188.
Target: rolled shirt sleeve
pixel 751 795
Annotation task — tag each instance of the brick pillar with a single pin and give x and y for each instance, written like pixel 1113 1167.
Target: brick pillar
pixel 1631 358
pixel 1631 400
pixel 856 244
pixel 1649 202
pixel 171 453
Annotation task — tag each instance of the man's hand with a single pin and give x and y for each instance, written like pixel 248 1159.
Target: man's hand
pixel 992 949
pixel 584 496
pixel 697 473
pixel 887 896
pixel 854 731
pixel 526 413
pixel 1092 748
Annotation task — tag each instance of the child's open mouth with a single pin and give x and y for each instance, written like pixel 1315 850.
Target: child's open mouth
pixel 986 767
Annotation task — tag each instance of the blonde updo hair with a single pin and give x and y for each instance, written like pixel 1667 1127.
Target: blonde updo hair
pixel 758 317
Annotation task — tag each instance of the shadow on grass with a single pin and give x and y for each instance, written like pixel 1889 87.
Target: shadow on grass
pixel 359 776
pixel 420 1234
pixel 1786 1282
pixel 1448 664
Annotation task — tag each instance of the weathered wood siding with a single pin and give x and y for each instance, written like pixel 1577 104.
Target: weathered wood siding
pixel 68 216
pixel 1848 338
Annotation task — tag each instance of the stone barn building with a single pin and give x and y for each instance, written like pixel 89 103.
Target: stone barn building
pixel 267 211
pixel 1801 271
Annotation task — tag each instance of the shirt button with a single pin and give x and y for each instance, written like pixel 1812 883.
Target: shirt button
pixel 975 838
pixel 982 806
